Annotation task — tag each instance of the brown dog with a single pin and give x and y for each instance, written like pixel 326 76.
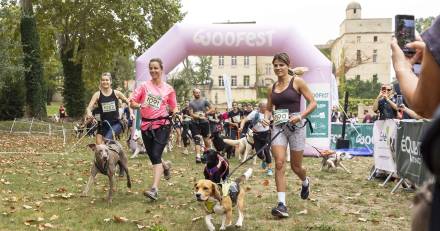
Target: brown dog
pixel 221 201
pixel 107 156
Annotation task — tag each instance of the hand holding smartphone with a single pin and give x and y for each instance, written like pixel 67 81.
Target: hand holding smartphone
pixel 404 32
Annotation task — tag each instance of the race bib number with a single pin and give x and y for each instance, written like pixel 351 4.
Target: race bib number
pixel 153 101
pixel 98 117
pixel 280 116
pixel 236 118
pixel 109 106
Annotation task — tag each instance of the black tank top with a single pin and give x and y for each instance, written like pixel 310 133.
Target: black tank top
pixel 108 107
pixel 287 99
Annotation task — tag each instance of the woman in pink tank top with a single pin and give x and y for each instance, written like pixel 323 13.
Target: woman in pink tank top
pixel 156 100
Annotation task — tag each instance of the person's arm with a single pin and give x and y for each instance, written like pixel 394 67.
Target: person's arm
pixel 243 122
pixel 393 105
pixel 268 112
pixel 137 97
pixel 172 102
pixel 376 103
pixel 210 108
pixel 192 114
pixel 92 102
pixel 421 93
pixel 411 113
pixel 121 96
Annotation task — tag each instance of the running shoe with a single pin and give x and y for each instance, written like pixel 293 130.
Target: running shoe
pixel 152 194
pixel 280 211
pixel 263 165
pixel 198 160
pixel 305 190
pixel 269 172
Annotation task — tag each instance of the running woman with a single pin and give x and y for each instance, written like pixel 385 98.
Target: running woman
pixel 154 97
pixel 107 112
pixel 285 96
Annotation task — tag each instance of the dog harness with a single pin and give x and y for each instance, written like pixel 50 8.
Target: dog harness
pixel 211 171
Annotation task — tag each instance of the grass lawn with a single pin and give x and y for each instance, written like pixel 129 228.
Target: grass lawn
pixel 43 191
pixel 53 108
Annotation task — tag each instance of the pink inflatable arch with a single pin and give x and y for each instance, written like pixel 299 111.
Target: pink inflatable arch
pixel 245 39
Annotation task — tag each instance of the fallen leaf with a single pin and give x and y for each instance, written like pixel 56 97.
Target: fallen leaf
pixel 362 219
pixel 140 226
pixel 40 219
pixel 27 206
pixel 48 225
pixel 38 203
pixel 107 219
pixel 53 217
pixel 265 182
pixel 118 219
pixel 302 212
pixel 196 219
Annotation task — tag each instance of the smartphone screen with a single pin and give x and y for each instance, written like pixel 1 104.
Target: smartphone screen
pixel 405 32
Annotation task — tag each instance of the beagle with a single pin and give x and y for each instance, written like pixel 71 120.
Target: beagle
pixel 218 200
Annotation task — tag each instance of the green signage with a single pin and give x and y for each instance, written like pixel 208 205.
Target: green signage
pixel 319 118
pixel 359 135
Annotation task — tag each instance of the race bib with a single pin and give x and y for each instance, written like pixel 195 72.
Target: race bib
pixel 280 116
pixel 153 101
pixel 108 106
pixel 236 118
pixel 98 117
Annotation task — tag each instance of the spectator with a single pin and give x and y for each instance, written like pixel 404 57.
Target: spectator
pixel 335 114
pixel 423 95
pixel 62 112
pixel 385 103
pixel 367 117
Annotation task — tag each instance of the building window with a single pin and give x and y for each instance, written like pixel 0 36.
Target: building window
pixel 221 60
pixel 268 69
pixel 246 79
pixel 221 82
pixel 358 56
pixel 234 60
pixel 354 11
pixel 358 77
pixel 358 39
pixel 374 56
pixel 375 38
pixel 246 61
pixel 216 98
pixel 233 81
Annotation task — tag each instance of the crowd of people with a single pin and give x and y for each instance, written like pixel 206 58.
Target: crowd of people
pixel 198 119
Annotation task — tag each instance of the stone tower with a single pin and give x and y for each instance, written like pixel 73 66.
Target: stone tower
pixel 353 11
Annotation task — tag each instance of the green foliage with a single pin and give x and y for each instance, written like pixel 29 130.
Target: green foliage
pixel 261 92
pixel 423 23
pixel 248 101
pixel 359 88
pixel 353 103
pixel 12 91
pixel 35 92
pixel 92 35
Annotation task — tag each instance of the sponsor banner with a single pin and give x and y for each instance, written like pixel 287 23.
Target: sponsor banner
pixel 359 135
pixel 408 158
pixel 228 91
pixel 320 116
pixel 384 133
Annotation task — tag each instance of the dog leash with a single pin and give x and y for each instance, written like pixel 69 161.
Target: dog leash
pixel 260 150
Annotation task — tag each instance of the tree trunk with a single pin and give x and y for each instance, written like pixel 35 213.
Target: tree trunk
pixel 73 83
pixel 35 92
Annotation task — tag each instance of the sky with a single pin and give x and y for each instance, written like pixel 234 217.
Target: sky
pixel 318 20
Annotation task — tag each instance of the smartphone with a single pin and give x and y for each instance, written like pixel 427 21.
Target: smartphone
pixel 404 32
pixel 399 100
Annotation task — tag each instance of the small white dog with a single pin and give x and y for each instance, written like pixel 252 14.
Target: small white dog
pixel 245 146
pixel 136 144
pixel 333 160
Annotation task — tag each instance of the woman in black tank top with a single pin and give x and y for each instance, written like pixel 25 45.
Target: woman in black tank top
pixel 107 115
pixel 285 97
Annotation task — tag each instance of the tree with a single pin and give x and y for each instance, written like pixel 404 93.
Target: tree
pixel 345 66
pixel 423 23
pixel 203 70
pixel 35 92
pixel 12 90
pixel 91 34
